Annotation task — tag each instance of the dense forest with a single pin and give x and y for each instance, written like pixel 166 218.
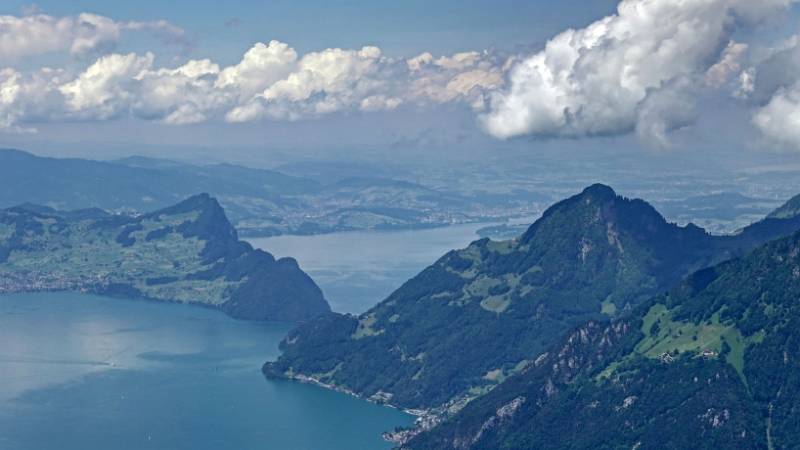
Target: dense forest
pixel 715 363
pixel 480 315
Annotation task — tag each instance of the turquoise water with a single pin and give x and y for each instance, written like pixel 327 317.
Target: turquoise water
pixel 358 269
pixel 82 372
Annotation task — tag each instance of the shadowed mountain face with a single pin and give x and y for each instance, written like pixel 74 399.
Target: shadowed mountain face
pixel 484 313
pixel 716 360
pixel 186 253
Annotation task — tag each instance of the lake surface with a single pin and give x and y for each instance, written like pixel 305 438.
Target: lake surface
pixel 83 372
pixel 358 269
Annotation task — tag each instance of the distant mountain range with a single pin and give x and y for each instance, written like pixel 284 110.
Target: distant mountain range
pixel 259 202
pixel 187 253
pixel 488 313
pixel 322 197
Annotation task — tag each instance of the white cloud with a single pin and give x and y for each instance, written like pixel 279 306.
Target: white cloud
pixel 85 33
pixel 29 97
pixel 746 83
pixel 666 109
pixel 466 76
pixel 9 94
pixel 729 65
pixel 179 96
pixel 261 66
pixel 640 70
pixel 620 72
pixel 107 87
pixel 773 84
pixel 328 81
pixel 779 119
pixel 271 81
pixel 380 103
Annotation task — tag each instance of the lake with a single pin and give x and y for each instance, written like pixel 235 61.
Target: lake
pixel 358 269
pixel 82 372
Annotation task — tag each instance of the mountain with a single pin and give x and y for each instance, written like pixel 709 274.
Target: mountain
pixel 781 222
pixel 259 202
pixel 715 363
pixel 186 253
pixel 790 209
pixel 482 314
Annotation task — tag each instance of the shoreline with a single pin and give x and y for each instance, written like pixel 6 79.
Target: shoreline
pixel 425 419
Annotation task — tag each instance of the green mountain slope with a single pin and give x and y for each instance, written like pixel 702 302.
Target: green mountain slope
pixel 713 364
pixel 482 314
pixel 186 253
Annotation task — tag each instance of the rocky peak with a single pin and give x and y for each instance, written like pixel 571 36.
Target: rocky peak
pixel 211 223
pixel 599 210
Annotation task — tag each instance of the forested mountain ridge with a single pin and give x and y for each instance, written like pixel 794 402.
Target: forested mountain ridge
pixel 715 363
pixel 188 253
pixel 479 315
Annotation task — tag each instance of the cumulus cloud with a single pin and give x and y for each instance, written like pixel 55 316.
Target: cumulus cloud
pixel 779 119
pixel 9 93
pixel 85 33
pixel 640 70
pixel 633 70
pixel 324 82
pixel 729 65
pixel 271 81
pixel 469 76
pixel 772 84
pixel 179 96
pixel 26 96
pixel 260 67
pixel 107 86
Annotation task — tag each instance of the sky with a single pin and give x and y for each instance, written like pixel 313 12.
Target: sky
pixel 105 79
pixel 401 28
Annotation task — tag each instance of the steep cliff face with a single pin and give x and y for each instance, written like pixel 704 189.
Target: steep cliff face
pixel 187 253
pixel 482 314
